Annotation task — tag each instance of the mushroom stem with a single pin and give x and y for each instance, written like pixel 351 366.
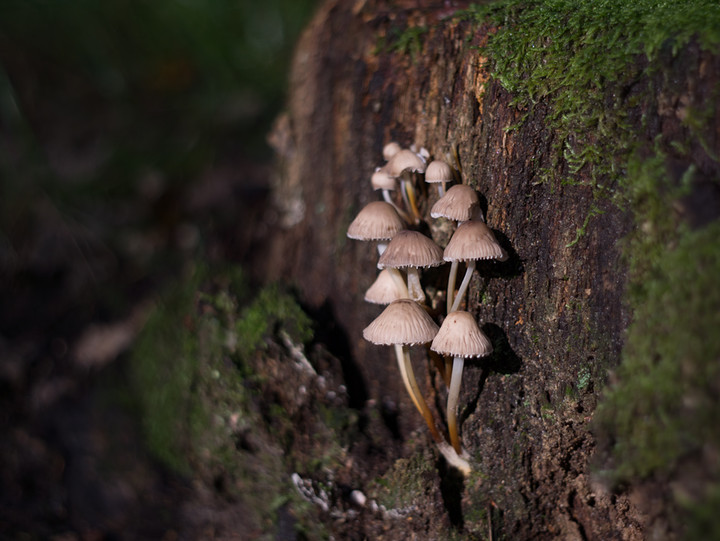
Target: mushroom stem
pixel 456 157
pixel 454 459
pixel 404 194
pixel 408 193
pixel 441 365
pixel 403 357
pixel 463 285
pixel 451 285
pixel 399 282
pixel 414 287
pixel 448 370
pixel 441 189
pixel 453 394
pixel 388 199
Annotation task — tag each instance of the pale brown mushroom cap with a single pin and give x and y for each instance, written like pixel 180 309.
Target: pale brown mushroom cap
pixel 405 160
pixel 384 289
pixel 473 240
pixel 458 203
pixel 376 221
pixel 460 336
pixel 402 322
pixel 438 171
pixel 390 150
pixel 411 249
pixel 381 180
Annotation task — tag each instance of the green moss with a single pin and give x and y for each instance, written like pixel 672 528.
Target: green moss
pixel 405 483
pixel 407 42
pixel 197 407
pixel 703 522
pixel 271 309
pixel 580 232
pixel 164 367
pixel 584 60
pixel 584 377
pixel 581 57
pixel 666 405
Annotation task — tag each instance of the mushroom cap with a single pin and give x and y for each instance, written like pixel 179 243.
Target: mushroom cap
pixel 411 249
pixel 473 240
pixel 390 150
pixel 438 171
pixel 376 221
pixel 402 322
pixel 460 336
pixel 458 203
pixel 384 289
pixel 405 160
pixel 381 180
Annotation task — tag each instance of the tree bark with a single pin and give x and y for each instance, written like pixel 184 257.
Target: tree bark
pixel 554 311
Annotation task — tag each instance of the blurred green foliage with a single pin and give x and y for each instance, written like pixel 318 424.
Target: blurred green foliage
pixel 667 404
pixel 110 115
pixel 165 369
pixel 211 408
pixel 272 308
pixel 181 364
pixel 125 85
pixel 194 65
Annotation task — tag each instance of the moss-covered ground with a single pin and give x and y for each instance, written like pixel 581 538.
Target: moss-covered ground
pixel 214 401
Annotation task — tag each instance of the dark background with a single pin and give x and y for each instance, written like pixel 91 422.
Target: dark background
pixel 132 145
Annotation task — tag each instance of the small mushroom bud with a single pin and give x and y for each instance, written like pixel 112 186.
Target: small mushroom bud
pixel 390 150
pixel 438 172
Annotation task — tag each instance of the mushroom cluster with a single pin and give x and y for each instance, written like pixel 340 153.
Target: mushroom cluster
pixel 403 251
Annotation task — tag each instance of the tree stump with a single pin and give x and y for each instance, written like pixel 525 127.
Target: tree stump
pixel 370 72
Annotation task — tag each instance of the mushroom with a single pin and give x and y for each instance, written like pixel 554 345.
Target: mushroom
pixel 459 203
pixel 398 166
pixel 438 172
pixel 459 337
pixel 388 286
pixel 471 241
pixel 421 152
pixel 381 180
pixel 390 150
pixel 405 160
pixel 377 221
pixel 404 323
pixel 411 250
